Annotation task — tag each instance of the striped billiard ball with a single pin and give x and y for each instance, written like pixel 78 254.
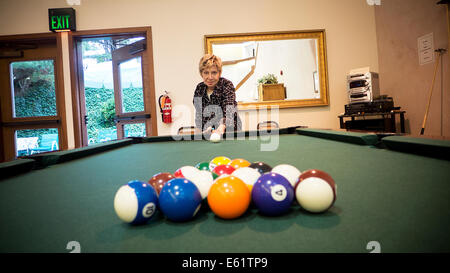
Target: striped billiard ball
pixel 136 202
pixel 315 191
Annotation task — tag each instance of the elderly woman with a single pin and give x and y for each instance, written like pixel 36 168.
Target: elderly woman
pixel 215 99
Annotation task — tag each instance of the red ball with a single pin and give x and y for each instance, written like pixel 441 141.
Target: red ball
pixel 223 169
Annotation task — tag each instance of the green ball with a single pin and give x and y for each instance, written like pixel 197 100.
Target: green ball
pixel 203 166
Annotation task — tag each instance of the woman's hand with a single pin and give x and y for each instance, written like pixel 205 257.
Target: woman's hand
pixel 207 130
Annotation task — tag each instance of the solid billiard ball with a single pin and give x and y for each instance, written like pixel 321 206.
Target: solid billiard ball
pixel 248 175
pixel 315 191
pixel 218 160
pixel 290 172
pixel 261 167
pixel 272 194
pixel 180 200
pixel 203 166
pixel 239 163
pixel 135 202
pixel 158 180
pixel 215 137
pixel 229 197
pixel 223 169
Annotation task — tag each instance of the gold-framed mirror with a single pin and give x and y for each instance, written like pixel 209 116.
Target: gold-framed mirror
pixel 293 64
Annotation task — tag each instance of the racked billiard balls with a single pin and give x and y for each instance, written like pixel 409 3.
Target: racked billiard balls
pixel 261 167
pixel 272 194
pixel 136 202
pixel 180 200
pixel 228 197
pixel 315 191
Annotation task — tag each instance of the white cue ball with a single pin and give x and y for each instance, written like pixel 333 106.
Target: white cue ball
pixel 215 137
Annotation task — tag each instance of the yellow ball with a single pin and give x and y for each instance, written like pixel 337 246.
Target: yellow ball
pixel 219 160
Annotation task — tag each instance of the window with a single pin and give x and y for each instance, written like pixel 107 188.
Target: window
pixel 34 141
pixel 33 88
pixel 134 130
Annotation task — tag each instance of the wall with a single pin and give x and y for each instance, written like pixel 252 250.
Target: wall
pixel 398 25
pixel 179 27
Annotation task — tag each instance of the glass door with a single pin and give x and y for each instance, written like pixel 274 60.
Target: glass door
pixel 31 97
pixel 132 116
pixel 115 88
pixel 111 73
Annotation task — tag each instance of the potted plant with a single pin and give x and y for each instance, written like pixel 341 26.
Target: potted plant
pixel 268 79
pixel 270 89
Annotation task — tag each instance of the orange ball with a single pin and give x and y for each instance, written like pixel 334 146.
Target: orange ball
pixel 239 163
pixel 229 197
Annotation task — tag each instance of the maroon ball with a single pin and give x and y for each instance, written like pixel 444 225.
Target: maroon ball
pixel 158 180
pixel 319 174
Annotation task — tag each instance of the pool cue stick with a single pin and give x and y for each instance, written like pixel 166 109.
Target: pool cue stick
pixel 440 51
pixel 429 98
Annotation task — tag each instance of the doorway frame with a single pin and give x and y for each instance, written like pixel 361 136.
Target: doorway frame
pixel 77 84
pixel 10 124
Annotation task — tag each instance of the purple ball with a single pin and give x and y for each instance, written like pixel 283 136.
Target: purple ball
pixel 272 194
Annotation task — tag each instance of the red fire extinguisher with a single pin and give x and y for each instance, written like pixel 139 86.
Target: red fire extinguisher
pixel 165 106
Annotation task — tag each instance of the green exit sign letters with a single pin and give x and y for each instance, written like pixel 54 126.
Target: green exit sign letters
pixel 61 19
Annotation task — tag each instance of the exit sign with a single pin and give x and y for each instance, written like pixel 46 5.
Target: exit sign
pixel 61 19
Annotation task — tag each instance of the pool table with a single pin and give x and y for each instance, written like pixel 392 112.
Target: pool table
pixel 393 195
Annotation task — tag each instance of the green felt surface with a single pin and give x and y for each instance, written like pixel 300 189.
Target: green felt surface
pixel 439 148
pixel 400 200
pixel 46 159
pixel 13 167
pixel 349 137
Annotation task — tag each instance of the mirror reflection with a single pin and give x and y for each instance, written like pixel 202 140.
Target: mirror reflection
pixel 283 69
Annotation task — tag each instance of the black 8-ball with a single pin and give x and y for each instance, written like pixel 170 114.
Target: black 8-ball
pixel 261 167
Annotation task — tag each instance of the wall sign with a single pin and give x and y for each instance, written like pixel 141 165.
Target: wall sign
pixel 62 19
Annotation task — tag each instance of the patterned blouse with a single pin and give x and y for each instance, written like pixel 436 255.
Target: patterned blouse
pixel 220 108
